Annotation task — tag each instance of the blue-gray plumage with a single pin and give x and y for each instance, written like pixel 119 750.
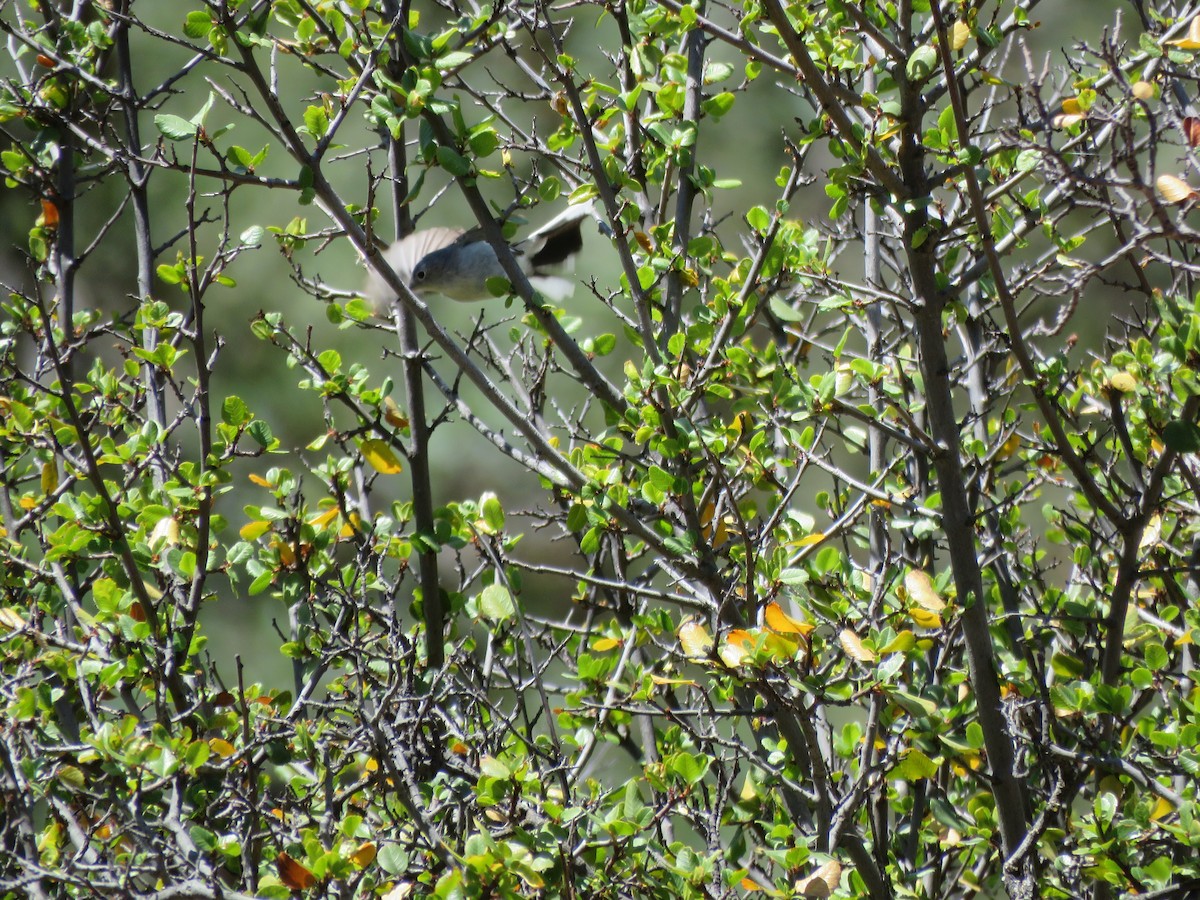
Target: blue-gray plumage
pixel 457 264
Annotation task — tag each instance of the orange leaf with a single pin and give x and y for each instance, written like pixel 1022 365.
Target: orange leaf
pixel 221 747
pixel 49 214
pixel 293 875
pixel 780 622
pixel 363 855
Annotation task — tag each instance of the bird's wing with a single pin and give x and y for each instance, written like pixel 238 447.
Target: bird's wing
pixel 403 257
pixel 556 243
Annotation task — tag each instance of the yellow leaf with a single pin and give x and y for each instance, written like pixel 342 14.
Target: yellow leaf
pixel 287 555
pixel 920 588
pixel 671 682
pixel 1123 382
pixel 392 414
pixel 1162 807
pixel 604 644
pixel 901 643
pixel 694 639
pixel 1010 446
pixel 959 33
pixel 49 477
pixel 253 530
pixel 854 646
pixel 27 502
pixel 380 457
pixel 320 520
pixel 925 618
pixel 780 622
pixel 364 855
pixel 221 747
pixel 1192 41
pixel 1071 107
pixel 1174 190
pixel 1152 532
pixel 808 540
pixel 1143 90
pixel 259 480
pixel 749 884
pixel 11 620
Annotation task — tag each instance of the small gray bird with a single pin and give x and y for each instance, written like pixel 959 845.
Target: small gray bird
pixel 457 264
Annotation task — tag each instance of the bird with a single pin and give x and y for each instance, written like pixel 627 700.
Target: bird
pixel 457 263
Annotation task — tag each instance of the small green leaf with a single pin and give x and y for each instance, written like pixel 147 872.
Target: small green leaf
pixel 496 603
pixel 175 128
pixel 197 24
pixel 453 161
pixel 922 63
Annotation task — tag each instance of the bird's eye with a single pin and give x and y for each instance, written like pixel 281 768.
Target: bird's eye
pixel 419 275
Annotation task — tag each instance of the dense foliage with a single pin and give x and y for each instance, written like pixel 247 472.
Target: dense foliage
pixel 843 530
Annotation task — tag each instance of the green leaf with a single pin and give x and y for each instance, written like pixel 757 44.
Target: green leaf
pixel 915 765
pixel 175 128
pixel 493 513
pixel 921 63
pixel 316 120
pixel 1182 437
pixel 496 603
pixel 197 24
pixel 453 161
pixel 234 411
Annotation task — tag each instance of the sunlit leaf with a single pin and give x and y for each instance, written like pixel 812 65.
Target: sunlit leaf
pixel 924 617
pixel 364 855
pixel 779 621
pixel 823 882
pixel 854 646
pixel 960 32
pixel 254 530
pixel 694 639
pixel 1174 190
pixel 380 457
pixel 1192 40
pixel 920 588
